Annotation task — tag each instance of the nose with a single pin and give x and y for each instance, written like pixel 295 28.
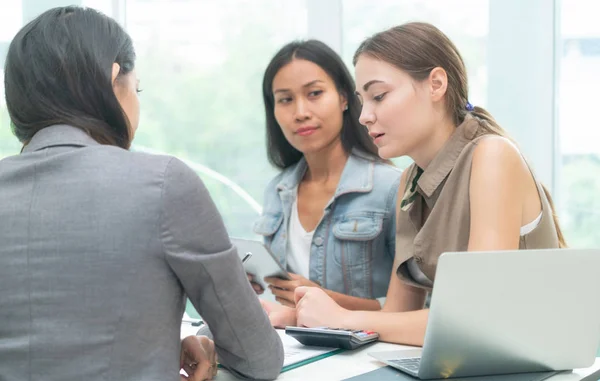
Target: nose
pixel 367 117
pixel 302 110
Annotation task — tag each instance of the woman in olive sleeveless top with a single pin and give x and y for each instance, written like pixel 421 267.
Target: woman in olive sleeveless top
pixel 468 189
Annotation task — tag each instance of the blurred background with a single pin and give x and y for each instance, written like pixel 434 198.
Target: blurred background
pixel 532 63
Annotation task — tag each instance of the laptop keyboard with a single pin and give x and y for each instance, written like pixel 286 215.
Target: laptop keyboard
pixel 411 364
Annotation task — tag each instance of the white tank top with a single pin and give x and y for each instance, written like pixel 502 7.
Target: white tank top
pixel 298 244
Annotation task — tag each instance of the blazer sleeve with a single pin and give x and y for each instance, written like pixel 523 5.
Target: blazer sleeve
pixel 198 250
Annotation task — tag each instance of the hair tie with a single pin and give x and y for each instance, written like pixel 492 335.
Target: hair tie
pixel 469 106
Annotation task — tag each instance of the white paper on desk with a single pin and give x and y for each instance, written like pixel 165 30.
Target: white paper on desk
pixel 294 352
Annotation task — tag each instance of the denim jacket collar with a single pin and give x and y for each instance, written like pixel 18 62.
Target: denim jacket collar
pixel 353 179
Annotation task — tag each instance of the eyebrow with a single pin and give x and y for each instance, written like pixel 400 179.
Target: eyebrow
pixel 309 84
pixel 368 84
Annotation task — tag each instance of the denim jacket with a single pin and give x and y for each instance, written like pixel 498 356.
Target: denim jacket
pixel 353 246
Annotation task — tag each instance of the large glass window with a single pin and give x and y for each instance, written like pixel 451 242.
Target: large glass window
pixel 579 129
pixel 200 64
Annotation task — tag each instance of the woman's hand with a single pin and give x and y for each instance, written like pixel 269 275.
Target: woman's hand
pixel 198 358
pixel 257 287
pixel 280 316
pixel 284 289
pixel 314 308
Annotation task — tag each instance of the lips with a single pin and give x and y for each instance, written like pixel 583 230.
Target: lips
pixel 376 136
pixel 305 131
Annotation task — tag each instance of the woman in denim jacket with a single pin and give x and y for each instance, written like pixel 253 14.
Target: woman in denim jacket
pixel 329 216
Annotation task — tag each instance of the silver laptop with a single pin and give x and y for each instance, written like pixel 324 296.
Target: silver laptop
pixel 508 312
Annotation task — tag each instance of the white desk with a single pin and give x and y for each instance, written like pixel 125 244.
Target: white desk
pixel 353 363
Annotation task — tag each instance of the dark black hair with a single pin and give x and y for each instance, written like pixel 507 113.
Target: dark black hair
pixel 59 71
pixel 353 135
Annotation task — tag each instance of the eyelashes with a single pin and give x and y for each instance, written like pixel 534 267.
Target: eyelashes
pixel 312 94
pixel 379 98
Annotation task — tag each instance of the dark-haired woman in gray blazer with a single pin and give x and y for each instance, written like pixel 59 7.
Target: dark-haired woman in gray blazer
pixel 99 246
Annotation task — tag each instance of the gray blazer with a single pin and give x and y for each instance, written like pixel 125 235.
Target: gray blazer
pixel 99 247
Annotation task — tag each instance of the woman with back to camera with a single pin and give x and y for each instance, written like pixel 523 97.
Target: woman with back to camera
pixel 99 245
pixel 412 83
pixel 329 215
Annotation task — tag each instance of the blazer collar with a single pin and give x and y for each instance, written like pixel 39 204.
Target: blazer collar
pixel 59 135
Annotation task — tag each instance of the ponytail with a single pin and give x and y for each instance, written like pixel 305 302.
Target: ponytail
pixel 561 238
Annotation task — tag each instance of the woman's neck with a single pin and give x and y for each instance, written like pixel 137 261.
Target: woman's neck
pixel 326 164
pixel 424 154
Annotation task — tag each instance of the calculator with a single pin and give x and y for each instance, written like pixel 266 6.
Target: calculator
pixel 332 337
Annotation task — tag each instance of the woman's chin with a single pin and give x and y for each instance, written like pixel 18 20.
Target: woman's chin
pixel 387 152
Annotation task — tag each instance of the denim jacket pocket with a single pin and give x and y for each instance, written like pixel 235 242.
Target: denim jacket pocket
pixel 355 236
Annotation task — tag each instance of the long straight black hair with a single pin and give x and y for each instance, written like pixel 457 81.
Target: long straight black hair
pixel 353 135
pixel 59 71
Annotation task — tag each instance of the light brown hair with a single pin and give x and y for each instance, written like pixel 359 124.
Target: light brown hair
pixel 417 48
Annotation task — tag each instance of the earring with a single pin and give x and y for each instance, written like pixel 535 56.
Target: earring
pixel 346 107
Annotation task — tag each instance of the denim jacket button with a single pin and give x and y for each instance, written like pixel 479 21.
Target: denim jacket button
pixel 318 241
